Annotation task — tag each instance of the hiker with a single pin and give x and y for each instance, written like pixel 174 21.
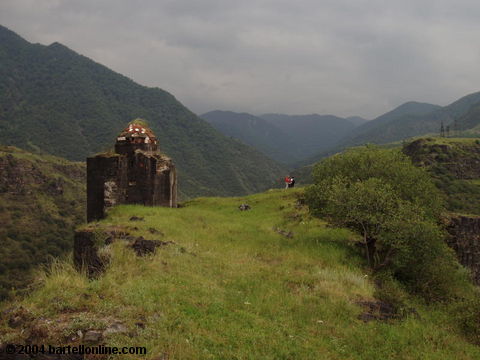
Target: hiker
pixel 287 181
pixel 291 184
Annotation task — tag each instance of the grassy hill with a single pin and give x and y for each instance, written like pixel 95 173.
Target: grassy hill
pixel 41 201
pixel 453 164
pixel 268 283
pixel 65 104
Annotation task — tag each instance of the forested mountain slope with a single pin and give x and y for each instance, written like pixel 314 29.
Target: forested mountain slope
pixel 411 119
pixel 66 104
pixel 254 131
pixel 408 120
pixel 311 134
pixel 42 199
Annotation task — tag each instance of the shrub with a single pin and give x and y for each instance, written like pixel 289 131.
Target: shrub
pixel 395 207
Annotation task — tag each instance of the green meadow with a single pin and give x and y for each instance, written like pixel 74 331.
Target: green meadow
pixel 268 283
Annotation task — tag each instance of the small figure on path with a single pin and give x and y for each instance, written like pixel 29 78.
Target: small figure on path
pixel 291 184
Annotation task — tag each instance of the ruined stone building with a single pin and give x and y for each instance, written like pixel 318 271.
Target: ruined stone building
pixel 136 173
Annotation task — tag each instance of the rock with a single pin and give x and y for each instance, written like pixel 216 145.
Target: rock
pixel 85 256
pixel 377 310
pixel 464 238
pixel 19 317
pixel 143 247
pixel 287 234
pixel 15 321
pixel 140 324
pixel 244 207
pixel 136 218
pixel 93 336
pixel 155 231
pixel 116 328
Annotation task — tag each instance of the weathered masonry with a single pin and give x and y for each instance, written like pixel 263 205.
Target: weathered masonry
pixel 136 173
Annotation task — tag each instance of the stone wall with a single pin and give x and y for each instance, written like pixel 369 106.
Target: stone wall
pixel 139 178
pixel 85 253
pixel 106 184
pixel 465 240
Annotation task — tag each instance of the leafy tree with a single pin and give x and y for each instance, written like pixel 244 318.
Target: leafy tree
pixel 395 206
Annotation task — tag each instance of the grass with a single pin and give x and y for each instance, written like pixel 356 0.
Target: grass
pixel 232 287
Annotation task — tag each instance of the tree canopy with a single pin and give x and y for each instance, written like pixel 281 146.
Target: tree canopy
pixel 396 209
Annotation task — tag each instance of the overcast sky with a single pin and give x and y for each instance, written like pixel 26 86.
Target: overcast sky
pixel 343 57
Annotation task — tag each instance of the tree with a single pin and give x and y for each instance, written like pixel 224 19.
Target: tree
pixel 395 207
pixel 392 167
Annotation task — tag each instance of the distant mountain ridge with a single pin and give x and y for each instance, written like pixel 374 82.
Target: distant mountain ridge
pixel 357 120
pixel 312 133
pixel 254 131
pixel 286 138
pixel 409 120
pixel 63 103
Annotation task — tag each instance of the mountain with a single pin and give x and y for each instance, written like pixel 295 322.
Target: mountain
pixel 406 121
pixel 310 134
pixel 387 125
pixel 254 131
pixel 469 120
pixel 58 101
pixel 357 120
pixel 410 119
pixel 42 199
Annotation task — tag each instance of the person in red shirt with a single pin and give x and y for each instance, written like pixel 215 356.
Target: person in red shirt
pixel 288 181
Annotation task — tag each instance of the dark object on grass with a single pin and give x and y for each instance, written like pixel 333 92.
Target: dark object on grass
pixel 244 207
pixel 287 234
pixel 85 255
pixel 136 218
pixel 143 247
pixel 155 231
pixel 377 310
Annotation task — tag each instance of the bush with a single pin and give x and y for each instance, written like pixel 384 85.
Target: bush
pixel 395 207
pixel 467 314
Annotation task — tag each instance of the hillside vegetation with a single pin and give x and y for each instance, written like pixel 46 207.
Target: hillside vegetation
pixel 65 104
pixel 288 139
pixel 310 134
pixel 453 164
pixel 256 132
pixel 409 120
pixel 42 199
pixel 268 283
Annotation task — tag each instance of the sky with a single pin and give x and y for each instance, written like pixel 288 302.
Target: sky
pixel 342 57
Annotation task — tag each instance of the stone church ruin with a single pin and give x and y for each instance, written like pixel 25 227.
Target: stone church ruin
pixel 135 173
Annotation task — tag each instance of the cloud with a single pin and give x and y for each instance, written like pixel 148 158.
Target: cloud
pixel 346 57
